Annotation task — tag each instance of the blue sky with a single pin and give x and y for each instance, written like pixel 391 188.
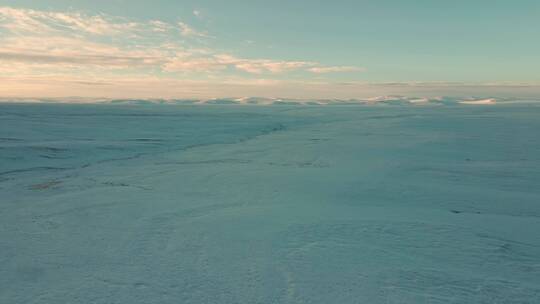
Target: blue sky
pixel 257 47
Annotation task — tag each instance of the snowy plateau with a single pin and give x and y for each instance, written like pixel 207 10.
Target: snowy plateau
pixel 222 202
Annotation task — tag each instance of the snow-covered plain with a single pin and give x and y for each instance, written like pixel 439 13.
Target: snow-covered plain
pixel 269 204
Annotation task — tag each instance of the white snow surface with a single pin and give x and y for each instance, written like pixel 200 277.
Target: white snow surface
pixel 281 204
pixel 266 101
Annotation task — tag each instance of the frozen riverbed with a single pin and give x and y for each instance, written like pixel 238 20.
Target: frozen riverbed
pixel 269 204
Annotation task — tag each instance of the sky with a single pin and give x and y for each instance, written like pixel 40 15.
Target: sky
pixel 295 49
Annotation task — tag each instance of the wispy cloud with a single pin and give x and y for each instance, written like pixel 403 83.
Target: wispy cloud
pixel 27 21
pixel 335 69
pixel 188 61
pixel 111 60
pixel 160 26
pixel 188 31
pixel 63 45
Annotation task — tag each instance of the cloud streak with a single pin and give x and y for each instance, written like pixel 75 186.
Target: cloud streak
pixel 213 62
pixel 27 21
pixel 335 69
pixel 73 45
pixel 188 31
pixel 68 42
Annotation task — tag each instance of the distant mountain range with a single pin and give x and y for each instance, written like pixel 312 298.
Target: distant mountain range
pixel 379 100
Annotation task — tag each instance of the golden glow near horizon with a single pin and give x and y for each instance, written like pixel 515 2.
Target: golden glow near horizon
pixel 59 53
